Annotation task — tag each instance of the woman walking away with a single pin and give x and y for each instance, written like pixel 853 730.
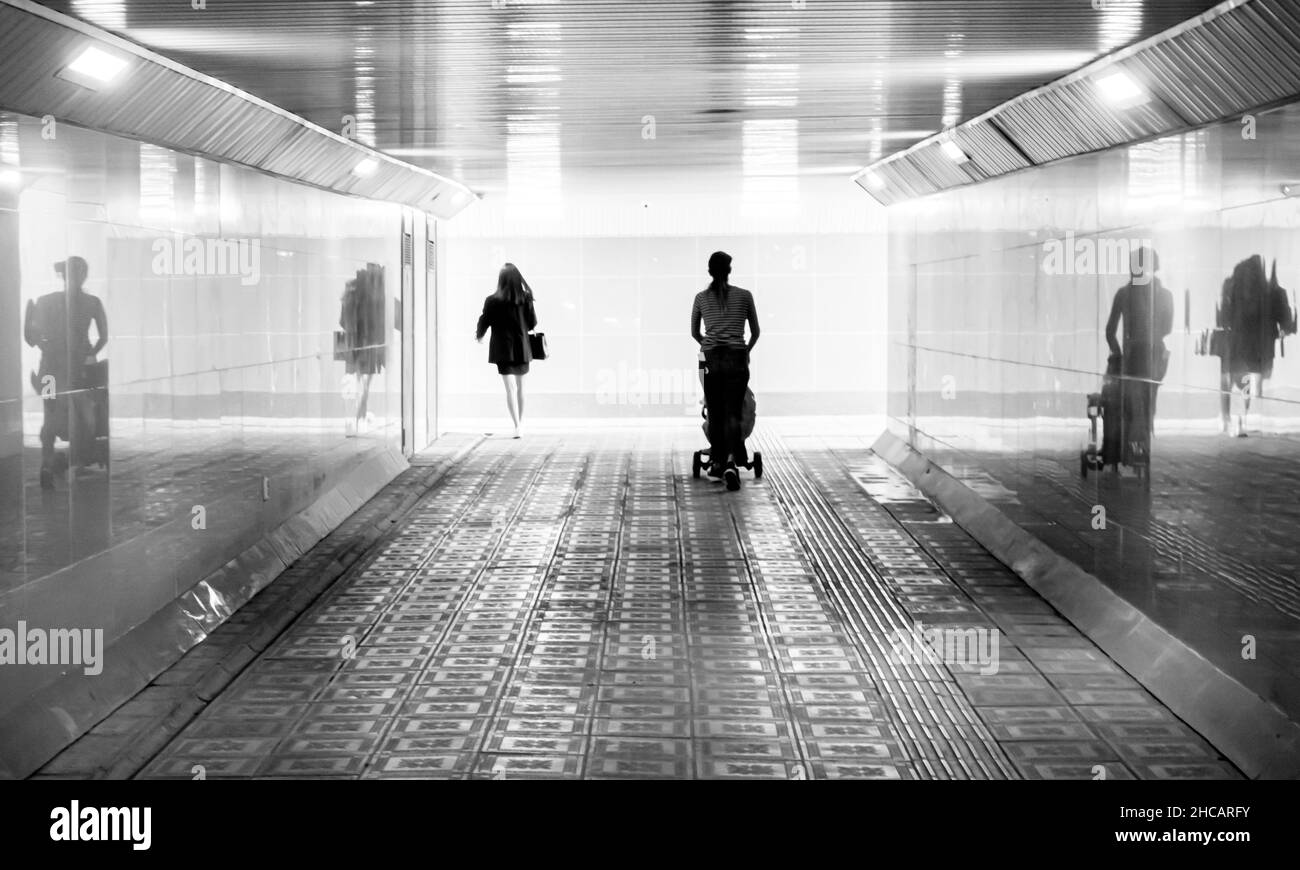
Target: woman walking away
pixel 509 314
pixel 725 310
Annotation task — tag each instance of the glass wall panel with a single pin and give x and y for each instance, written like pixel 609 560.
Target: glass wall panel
pixel 190 353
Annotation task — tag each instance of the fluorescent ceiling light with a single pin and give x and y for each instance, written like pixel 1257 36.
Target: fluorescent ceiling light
pixel 1119 89
pixel 874 181
pixel 953 151
pixel 366 167
pixel 99 65
pixel 93 68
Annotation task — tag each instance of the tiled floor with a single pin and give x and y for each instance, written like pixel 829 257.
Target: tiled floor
pixel 576 605
pixel 1209 551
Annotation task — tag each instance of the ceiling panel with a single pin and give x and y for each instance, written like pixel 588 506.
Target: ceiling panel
pixel 158 101
pixel 542 92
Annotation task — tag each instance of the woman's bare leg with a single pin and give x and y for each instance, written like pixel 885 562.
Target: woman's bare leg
pixel 519 396
pixel 510 400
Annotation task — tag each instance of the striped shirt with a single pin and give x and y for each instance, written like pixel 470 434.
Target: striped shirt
pixel 723 327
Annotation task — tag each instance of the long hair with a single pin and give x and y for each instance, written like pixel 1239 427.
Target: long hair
pixel 511 286
pixel 720 270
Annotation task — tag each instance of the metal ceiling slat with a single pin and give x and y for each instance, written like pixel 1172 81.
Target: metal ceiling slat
pixel 166 104
pixel 1237 57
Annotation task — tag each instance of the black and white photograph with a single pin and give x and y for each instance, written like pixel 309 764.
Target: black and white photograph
pixel 881 391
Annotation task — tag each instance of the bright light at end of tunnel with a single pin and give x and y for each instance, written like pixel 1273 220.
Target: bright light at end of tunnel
pixel 1119 89
pixel 366 168
pixel 98 65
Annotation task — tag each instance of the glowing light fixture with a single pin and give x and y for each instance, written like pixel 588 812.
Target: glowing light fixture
pixel 93 68
pixel 873 181
pixel 1119 89
pixel 366 168
pixel 953 151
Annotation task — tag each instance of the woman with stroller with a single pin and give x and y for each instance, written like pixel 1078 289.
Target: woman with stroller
pixel 724 310
pixel 510 315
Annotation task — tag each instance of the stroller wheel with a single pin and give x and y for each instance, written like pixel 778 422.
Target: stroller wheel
pixel 758 464
pixel 696 465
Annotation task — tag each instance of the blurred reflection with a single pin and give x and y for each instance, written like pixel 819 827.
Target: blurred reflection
pixel 361 342
pixel 72 383
pixel 1145 309
pixel 1253 314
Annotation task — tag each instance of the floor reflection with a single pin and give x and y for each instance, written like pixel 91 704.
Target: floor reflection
pixel 160 469
pixel 1208 551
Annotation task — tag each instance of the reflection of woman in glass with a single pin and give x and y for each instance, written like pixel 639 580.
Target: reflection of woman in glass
pixel 59 324
pixel 1146 310
pixel 1254 313
pixel 362 318
pixel 510 315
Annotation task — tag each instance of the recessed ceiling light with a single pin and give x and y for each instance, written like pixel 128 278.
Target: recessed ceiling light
pixel 366 167
pixel 93 67
pixel 1119 89
pixel 953 151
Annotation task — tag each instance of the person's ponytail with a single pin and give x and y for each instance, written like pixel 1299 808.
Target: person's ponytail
pixel 720 270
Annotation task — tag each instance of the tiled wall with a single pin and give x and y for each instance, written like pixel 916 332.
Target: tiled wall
pixel 615 275
pixel 219 377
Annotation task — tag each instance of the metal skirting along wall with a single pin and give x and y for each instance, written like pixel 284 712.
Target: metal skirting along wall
pixel 56 714
pixel 1256 735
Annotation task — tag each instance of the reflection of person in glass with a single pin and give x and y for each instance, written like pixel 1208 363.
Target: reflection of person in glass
pixel 1253 313
pixel 69 377
pixel 364 340
pixel 1146 310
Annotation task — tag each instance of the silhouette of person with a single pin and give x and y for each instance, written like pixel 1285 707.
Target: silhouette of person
pixel 510 314
pixel 59 324
pixel 1146 310
pixel 724 310
pixel 1253 312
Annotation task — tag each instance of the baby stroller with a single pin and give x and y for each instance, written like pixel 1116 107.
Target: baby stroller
pixel 1108 406
pixel 702 458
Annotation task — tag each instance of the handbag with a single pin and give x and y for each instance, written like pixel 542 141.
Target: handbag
pixel 537 344
pixel 1211 342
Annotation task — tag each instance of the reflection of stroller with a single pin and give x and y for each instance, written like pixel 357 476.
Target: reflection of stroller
pixel 702 458
pixel 1115 450
pixel 93 448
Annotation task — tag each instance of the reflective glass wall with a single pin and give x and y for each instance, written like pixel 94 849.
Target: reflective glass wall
pixel 190 353
pixel 1001 295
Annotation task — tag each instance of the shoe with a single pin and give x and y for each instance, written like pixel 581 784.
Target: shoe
pixel 518 432
pixel 715 472
pixel 732 477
